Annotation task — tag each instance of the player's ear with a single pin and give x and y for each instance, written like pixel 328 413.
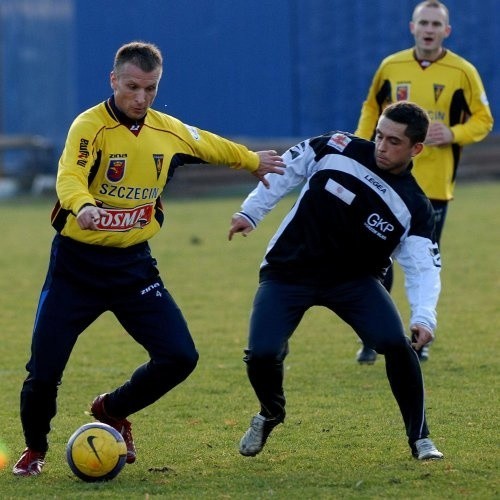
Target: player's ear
pixel 447 31
pixel 417 149
pixel 112 80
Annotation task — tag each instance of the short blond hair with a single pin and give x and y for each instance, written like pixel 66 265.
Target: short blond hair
pixel 435 4
pixel 146 56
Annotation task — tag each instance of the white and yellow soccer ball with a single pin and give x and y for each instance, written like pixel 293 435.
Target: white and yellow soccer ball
pixel 96 452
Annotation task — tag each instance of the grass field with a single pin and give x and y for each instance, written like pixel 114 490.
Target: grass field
pixel 343 438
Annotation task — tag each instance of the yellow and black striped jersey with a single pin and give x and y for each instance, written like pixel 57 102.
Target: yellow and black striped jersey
pixel 123 167
pixel 451 91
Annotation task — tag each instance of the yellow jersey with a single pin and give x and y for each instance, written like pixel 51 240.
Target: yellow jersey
pixel 451 91
pixel 123 166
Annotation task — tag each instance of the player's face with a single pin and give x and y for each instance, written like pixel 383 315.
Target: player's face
pixel 134 89
pixel 393 150
pixel 429 27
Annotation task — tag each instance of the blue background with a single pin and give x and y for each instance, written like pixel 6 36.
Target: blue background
pixel 269 69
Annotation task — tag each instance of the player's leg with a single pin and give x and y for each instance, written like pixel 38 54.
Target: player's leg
pixel 277 310
pixel 151 316
pixel 366 355
pixel 154 320
pixel 63 313
pixel 369 309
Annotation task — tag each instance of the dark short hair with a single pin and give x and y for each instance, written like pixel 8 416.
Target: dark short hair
pixel 412 115
pixel 146 56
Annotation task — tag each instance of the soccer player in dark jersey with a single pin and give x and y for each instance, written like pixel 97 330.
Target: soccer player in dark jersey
pixel 359 206
pixel 450 89
pixel 118 157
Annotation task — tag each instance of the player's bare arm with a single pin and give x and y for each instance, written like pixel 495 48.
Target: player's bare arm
pixel 270 163
pixel 239 225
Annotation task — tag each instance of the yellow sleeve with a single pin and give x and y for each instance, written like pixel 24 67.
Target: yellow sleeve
pixel 480 122
pixel 217 150
pixel 370 111
pixel 78 156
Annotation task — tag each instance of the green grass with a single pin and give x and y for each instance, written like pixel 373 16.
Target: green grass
pixel 343 438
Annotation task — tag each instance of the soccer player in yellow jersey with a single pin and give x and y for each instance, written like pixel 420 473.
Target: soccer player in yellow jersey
pixel 118 157
pixel 450 89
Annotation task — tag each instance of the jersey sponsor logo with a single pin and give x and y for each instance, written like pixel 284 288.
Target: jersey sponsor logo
pixel 125 219
pixel 403 92
pixel 376 182
pixel 193 131
pixel 116 169
pixel 83 153
pixel 378 226
pixel 339 141
pixel 158 159
pixel 340 191
pixel 438 90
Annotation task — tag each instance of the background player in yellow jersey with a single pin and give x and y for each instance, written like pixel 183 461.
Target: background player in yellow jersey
pixel 450 89
pixel 117 159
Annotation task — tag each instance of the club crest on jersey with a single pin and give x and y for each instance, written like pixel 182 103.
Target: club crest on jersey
pixel 116 169
pixel 438 90
pixel 403 92
pixel 158 159
pixel 339 141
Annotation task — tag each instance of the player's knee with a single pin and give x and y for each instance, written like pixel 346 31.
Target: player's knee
pixel 184 357
pixel 183 362
pixel 189 361
pixel 171 371
pixel 264 355
pixel 186 361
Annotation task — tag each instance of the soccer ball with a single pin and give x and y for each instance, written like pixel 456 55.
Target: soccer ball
pixel 96 452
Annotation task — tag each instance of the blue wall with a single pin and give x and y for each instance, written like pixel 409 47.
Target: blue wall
pixel 228 65
pixel 279 68
pixel 37 67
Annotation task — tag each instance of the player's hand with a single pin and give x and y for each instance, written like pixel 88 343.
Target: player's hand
pixel 420 336
pixel 89 216
pixel 438 135
pixel 270 163
pixel 239 225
